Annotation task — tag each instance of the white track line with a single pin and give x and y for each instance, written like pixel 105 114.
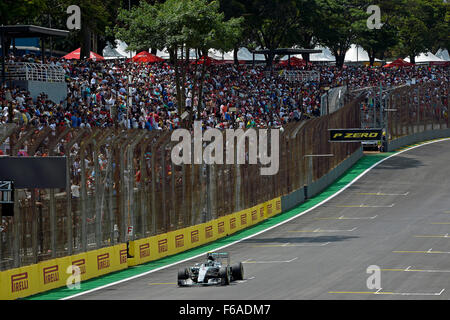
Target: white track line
pixel 260 232
pixel 281 261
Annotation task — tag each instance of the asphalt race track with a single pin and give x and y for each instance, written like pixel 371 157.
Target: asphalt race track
pixel 396 217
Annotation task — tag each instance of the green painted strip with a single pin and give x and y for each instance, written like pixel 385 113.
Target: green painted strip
pixel 363 164
pixel 360 166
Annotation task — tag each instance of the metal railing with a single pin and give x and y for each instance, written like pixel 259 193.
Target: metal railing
pixel 120 178
pixel 34 72
pixel 301 76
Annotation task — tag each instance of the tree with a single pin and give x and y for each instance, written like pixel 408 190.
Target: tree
pixel 20 11
pixel 178 26
pixel 377 41
pixel 337 29
pixel 421 27
pixel 271 22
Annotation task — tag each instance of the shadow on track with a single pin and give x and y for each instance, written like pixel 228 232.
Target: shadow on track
pixel 400 162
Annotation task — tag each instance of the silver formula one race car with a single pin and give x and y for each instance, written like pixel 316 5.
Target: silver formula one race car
pixel 216 270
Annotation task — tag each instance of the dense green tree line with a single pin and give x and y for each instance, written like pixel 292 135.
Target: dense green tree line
pixel 409 27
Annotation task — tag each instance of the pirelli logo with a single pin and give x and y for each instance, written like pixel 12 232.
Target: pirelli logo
pixel 179 241
pixel 232 223
pixel 221 227
pixel 51 274
pixel 208 231
pixel 269 208
pixel 162 246
pixel 194 236
pixel 122 256
pixel 261 212
pixel 144 250
pixel 103 261
pixel 278 205
pixel 243 218
pixel 352 135
pixel 254 215
pixel 19 282
pixel 80 264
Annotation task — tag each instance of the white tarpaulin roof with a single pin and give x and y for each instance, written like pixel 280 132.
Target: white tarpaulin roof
pixel 121 48
pixel 443 54
pixel 426 57
pixel 325 56
pixel 243 54
pixel 216 54
pixel 357 54
pixel 110 53
pixel 164 54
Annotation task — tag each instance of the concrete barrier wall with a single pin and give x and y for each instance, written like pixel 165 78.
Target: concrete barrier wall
pixel 319 185
pixel 417 137
pixel 299 196
pixel 56 91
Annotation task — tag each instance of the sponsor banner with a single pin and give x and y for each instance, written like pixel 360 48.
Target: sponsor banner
pixel 355 135
pixel 222 227
pixel 244 219
pixel 193 234
pixel 273 207
pixel 119 260
pixel 232 223
pixel 277 202
pixel 178 241
pixel 162 241
pixel 98 263
pixel 210 233
pixel 262 214
pixel 19 282
pixel 269 208
pixel 52 273
pixel 143 250
pixel 87 270
pixel 121 253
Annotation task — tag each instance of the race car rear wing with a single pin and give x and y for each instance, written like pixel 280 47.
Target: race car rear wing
pixel 219 255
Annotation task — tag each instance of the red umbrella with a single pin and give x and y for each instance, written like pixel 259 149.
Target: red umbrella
pixel 76 55
pixel 398 63
pixel 208 61
pixel 295 62
pixel 145 56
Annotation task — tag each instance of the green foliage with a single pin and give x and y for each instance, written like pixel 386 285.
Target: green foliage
pixel 20 11
pixel 422 27
pixel 192 23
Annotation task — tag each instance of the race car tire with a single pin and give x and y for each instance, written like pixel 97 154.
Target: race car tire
pixel 237 271
pixel 225 275
pixel 183 274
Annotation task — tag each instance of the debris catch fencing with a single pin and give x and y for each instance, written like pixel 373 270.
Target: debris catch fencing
pixel 122 185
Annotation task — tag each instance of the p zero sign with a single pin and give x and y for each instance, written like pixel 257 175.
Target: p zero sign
pixel 355 135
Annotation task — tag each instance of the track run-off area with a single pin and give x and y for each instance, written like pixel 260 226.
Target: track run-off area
pixel 389 210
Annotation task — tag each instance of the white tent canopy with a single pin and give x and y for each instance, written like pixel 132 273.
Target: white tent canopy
pixel 215 54
pixel 218 55
pixel 324 56
pixel 121 48
pixel 243 55
pixel 426 58
pixel 357 54
pixel 111 53
pixel 443 54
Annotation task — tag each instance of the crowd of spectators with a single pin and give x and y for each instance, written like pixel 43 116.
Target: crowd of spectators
pixel 233 96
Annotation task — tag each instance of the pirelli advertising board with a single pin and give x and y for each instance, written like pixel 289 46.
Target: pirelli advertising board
pixel 355 135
